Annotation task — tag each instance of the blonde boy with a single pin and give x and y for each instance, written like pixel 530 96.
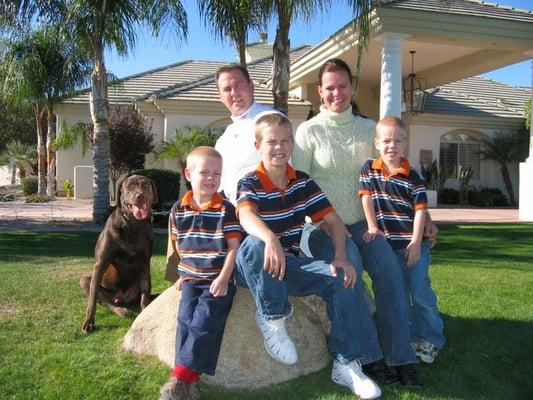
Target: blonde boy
pixel 205 235
pixel 272 204
pixel 394 200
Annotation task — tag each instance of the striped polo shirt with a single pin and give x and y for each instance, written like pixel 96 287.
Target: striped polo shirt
pixel 284 210
pixel 396 196
pixel 200 235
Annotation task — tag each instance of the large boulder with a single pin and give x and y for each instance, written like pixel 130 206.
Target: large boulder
pixel 243 361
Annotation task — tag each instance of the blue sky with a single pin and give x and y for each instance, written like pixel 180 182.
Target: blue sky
pixel 150 53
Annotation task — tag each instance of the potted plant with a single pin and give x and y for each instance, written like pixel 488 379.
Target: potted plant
pixel 434 181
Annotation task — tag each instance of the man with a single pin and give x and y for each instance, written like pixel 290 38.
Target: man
pixel 237 144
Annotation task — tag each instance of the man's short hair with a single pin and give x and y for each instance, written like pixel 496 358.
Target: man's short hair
pixel 232 67
pixel 270 119
pixel 391 122
pixel 202 152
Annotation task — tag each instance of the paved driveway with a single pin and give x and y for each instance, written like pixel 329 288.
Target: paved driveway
pixel 81 210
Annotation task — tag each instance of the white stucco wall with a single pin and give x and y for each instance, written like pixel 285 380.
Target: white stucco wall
pixel 428 136
pixel 66 160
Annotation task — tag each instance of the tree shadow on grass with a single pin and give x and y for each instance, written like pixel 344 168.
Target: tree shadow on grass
pixel 486 246
pixel 25 246
pixel 483 359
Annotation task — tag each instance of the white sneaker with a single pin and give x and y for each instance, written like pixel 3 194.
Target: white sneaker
pixel 277 342
pixel 351 375
pixel 426 351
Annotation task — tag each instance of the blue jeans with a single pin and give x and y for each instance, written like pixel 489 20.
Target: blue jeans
pixel 201 322
pixel 426 322
pixel 303 277
pixel 392 314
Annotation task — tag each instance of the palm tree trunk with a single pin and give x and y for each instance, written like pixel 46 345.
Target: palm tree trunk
pixel 51 186
pixel 13 165
pixel 241 46
pixel 281 64
pixel 508 183
pixel 41 151
pixel 99 115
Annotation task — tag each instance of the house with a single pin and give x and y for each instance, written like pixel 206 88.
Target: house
pixel 441 46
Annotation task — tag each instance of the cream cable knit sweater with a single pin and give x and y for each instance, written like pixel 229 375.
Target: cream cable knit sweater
pixel 331 147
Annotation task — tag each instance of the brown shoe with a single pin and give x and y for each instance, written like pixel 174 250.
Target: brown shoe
pixel 173 389
pixel 193 391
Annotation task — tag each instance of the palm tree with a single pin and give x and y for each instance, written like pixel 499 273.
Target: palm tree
pixel 97 25
pixel 232 19
pixel 17 155
pixel 185 140
pixel 506 148
pixel 285 11
pixel 40 67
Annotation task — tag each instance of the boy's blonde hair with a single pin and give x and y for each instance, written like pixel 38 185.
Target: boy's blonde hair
pixel 270 120
pixel 394 122
pixel 201 152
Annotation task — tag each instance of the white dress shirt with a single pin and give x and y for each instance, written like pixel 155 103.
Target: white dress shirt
pixel 237 146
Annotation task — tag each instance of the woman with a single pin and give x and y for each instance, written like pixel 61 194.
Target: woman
pixel 331 147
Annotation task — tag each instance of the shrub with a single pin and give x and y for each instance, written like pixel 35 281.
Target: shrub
pixel 29 185
pixel 36 198
pixel 449 196
pixel 68 188
pixel 488 197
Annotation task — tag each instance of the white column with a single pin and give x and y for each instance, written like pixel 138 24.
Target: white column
pixel 390 102
pixel 525 211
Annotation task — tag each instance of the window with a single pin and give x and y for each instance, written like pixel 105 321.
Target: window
pixel 459 150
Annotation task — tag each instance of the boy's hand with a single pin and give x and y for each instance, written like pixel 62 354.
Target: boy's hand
pixel 350 276
pixel 430 232
pixel 274 260
pixel 412 253
pixel 371 233
pixel 177 284
pixel 219 287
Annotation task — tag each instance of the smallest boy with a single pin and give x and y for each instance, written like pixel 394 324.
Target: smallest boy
pixel 394 202
pixel 205 234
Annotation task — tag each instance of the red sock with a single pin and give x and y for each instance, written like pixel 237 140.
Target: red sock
pixel 185 374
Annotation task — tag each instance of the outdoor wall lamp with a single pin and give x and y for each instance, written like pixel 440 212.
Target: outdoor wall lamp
pixel 414 95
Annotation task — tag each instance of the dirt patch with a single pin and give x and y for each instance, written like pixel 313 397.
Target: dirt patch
pixel 7 311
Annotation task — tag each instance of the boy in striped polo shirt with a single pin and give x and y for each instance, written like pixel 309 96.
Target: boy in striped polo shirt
pixel 205 235
pixel 395 202
pixel 272 204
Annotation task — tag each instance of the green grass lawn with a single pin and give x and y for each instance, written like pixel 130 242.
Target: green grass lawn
pixel 483 275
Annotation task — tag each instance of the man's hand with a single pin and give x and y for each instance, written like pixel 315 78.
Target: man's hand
pixel 430 232
pixel 274 259
pixel 219 287
pixel 371 233
pixel 177 284
pixel 412 253
pixel 350 276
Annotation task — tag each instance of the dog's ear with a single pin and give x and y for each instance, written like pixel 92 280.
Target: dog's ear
pixel 118 202
pixel 154 191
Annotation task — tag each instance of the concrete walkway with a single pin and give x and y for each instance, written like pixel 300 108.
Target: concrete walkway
pixel 79 212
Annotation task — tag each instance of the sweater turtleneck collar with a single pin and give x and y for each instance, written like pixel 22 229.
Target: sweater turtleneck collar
pixel 334 118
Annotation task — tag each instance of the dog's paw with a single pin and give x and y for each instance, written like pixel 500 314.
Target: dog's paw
pixel 121 311
pixel 88 326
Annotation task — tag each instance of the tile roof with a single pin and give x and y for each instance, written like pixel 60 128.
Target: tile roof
pixel 477 96
pixel 466 7
pixel 145 83
pixel 185 80
pixel 205 89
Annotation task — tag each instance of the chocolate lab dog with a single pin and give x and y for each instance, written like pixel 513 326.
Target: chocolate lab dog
pixel 121 275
